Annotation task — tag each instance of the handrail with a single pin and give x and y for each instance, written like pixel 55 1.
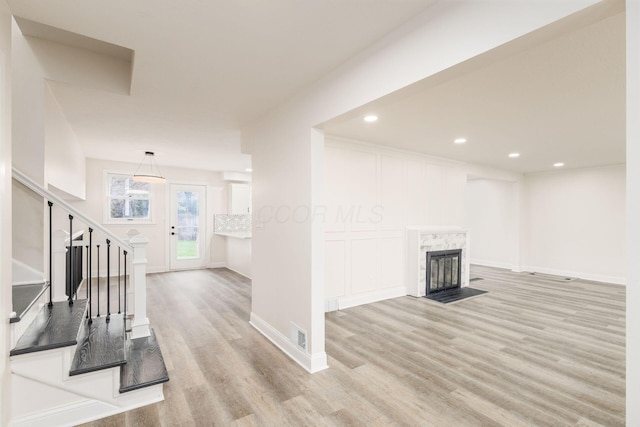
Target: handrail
pixel 46 194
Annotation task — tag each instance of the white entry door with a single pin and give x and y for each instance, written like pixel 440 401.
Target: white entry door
pixel 188 226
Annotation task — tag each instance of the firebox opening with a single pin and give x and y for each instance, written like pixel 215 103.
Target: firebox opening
pixel 443 270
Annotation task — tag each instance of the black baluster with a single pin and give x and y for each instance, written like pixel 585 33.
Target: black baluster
pixel 125 283
pixel 71 291
pixel 87 283
pixel 119 294
pixel 90 279
pixel 108 280
pixel 98 277
pixel 50 254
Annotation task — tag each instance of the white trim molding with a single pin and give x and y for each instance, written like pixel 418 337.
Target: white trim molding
pixel 312 363
pixel 369 297
pixel 616 280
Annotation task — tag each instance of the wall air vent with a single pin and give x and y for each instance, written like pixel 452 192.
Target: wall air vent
pixel 298 336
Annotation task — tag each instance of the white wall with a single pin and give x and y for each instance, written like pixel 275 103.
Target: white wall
pixel 633 212
pixel 239 255
pixel 373 193
pixel 288 256
pixel 28 109
pixel 5 211
pixel 64 156
pixel 492 219
pixel 560 221
pixel 575 223
pixel 28 223
pixel 158 231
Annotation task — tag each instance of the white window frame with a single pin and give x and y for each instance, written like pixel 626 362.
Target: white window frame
pixel 106 217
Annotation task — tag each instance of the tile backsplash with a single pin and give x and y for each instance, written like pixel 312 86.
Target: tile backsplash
pixel 229 223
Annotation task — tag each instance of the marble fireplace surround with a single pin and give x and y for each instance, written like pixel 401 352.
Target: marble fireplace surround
pixel 421 240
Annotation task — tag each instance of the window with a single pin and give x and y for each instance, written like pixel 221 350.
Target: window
pixel 127 200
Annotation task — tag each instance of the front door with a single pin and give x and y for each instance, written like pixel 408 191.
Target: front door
pixel 188 226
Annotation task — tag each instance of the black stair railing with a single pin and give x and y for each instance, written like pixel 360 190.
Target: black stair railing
pixel 50 253
pixel 81 261
pixel 108 280
pixel 125 283
pixel 70 275
pixel 100 284
pixel 98 278
pixel 89 276
pixel 119 250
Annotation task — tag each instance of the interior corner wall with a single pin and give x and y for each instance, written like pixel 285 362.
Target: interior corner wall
pixel 492 222
pixel 5 211
pixel 575 223
pixel 158 231
pixel 64 157
pixel 372 194
pixel 283 162
pixel 28 115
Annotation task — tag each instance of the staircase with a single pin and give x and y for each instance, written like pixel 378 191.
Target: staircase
pixel 67 370
pixel 74 360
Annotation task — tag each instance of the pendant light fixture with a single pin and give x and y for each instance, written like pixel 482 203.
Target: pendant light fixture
pixel 148 170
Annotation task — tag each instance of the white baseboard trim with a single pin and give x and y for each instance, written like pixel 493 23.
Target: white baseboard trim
pixel 239 272
pixel 217 264
pixel 617 280
pixel 496 264
pixel 369 297
pixel 312 363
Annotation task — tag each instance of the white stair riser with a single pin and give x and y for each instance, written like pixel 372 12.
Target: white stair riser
pixel 86 410
pixel 42 390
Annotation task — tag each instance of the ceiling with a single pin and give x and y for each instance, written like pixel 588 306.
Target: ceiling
pixel 559 100
pixel 202 69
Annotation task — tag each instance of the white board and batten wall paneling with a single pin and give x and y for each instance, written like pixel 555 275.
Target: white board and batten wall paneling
pixel 372 195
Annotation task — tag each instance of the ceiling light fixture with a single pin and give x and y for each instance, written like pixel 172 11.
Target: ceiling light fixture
pixel 514 155
pixel 248 170
pixel 558 165
pixel 460 140
pixel 371 118
pixel 148 170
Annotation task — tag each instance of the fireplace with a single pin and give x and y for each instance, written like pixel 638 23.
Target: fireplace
pixel 424 240
pixel 443 271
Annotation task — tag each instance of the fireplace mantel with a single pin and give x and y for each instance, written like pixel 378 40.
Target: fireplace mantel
pixel 421 240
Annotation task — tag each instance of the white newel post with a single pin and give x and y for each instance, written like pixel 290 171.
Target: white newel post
pixel 140 323
pixel 59 265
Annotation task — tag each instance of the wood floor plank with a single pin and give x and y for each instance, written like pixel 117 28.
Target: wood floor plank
pixel 535 350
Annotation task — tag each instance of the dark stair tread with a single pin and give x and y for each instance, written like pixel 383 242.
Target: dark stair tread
pixel 101 345
pixel 54 327
pixel 145 366
pixel 23 297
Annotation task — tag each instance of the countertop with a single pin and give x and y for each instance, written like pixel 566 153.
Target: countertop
pixel 236 234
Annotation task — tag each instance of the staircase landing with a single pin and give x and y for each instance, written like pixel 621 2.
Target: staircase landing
pixel 24 296
pixel 54 327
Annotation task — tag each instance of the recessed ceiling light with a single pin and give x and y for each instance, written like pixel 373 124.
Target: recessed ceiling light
pixel 460 140
pixel 371 118
pixel 514 155
pixel 248 170
pixel 558 165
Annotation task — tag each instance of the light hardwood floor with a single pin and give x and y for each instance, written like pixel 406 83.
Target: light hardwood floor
pixel 535 350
